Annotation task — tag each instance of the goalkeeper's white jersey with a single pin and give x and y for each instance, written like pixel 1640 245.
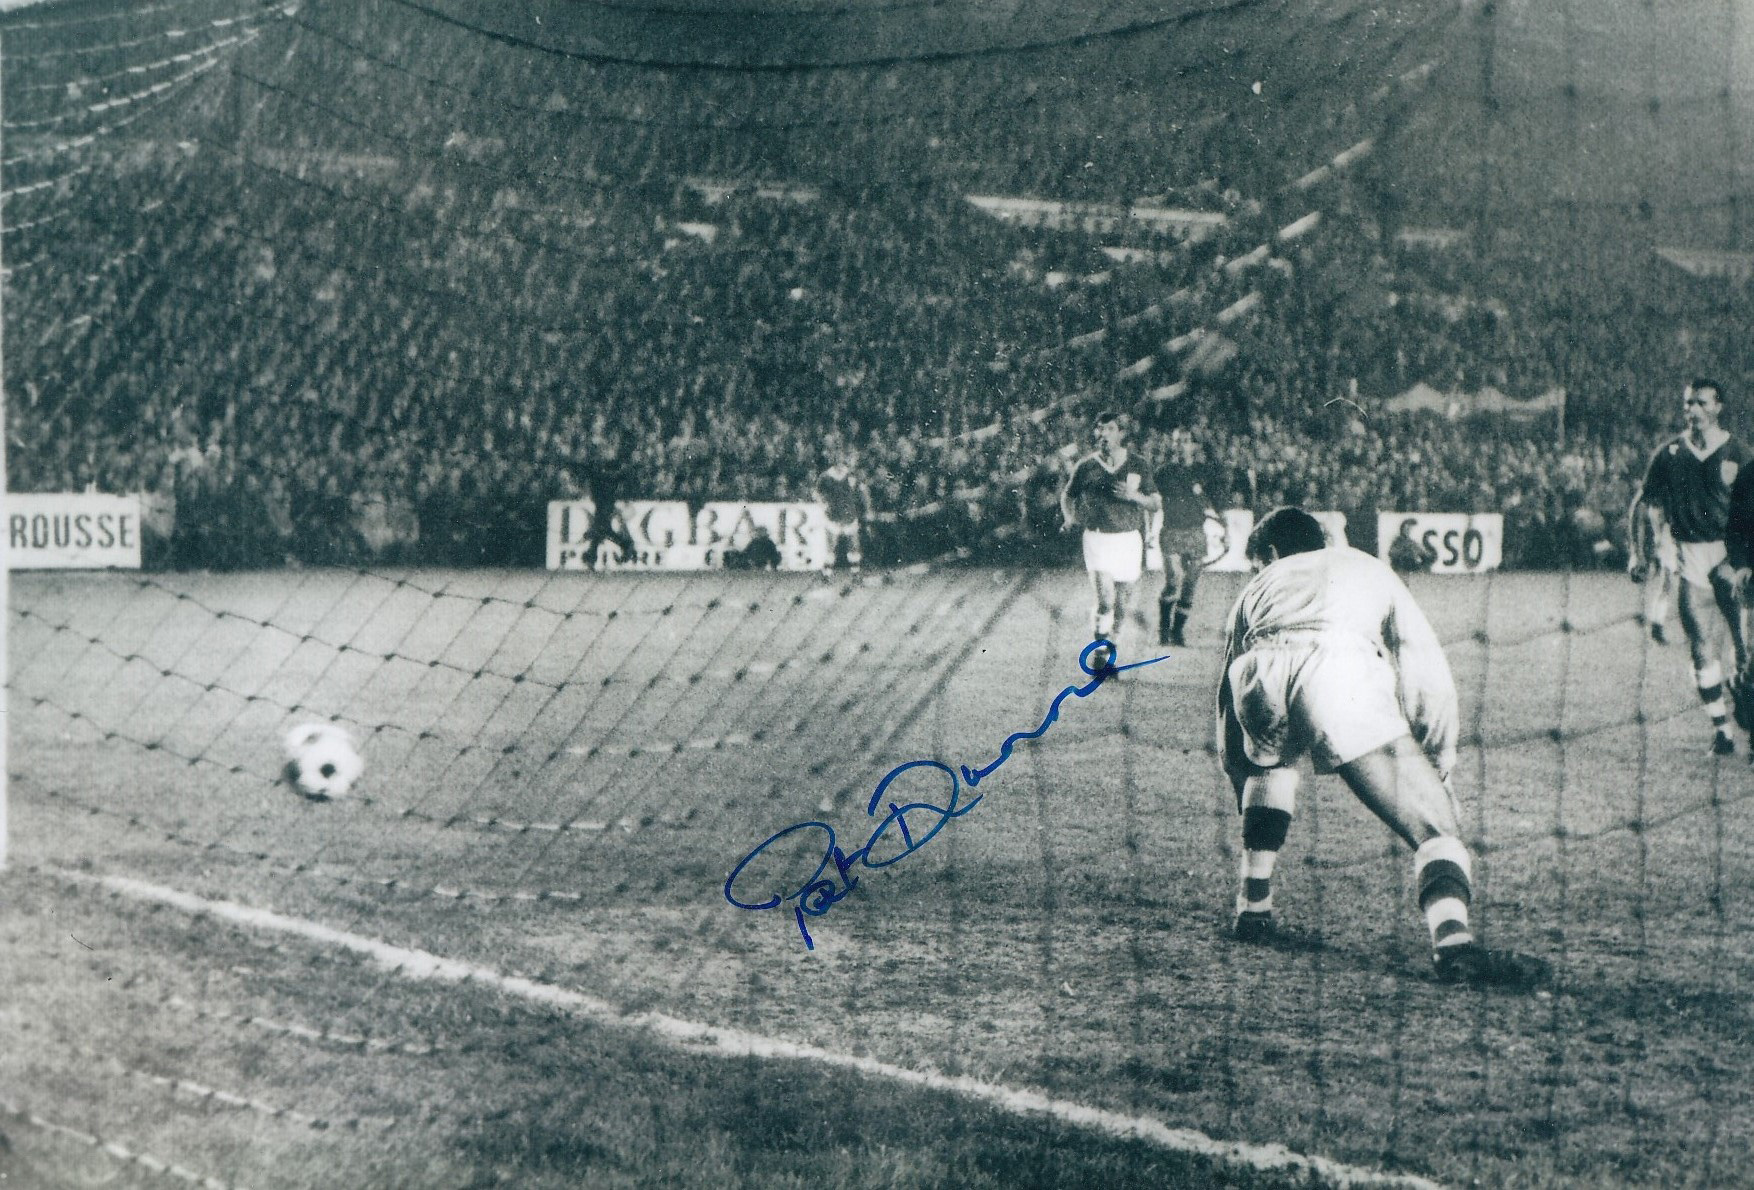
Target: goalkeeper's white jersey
pixel 1344 596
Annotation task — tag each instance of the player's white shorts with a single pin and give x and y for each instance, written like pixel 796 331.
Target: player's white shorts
pixel 1698 559
pixel 1121 556
pixel 1313 694
pixel 839 529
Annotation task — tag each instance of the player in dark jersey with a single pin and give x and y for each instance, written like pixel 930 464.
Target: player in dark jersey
pixel 846 503
pixel 1686 494
pixel 608 479
pixel 1110 496
pixel 1185 488
pixel 1739 556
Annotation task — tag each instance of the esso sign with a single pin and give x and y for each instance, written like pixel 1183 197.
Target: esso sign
pixel 1461 542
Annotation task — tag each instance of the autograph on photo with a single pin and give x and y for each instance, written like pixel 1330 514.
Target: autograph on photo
pixel 819 892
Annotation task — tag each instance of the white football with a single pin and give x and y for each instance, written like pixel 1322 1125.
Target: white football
pixel 321 760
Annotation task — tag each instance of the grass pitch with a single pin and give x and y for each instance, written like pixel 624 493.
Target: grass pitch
pixel 563 769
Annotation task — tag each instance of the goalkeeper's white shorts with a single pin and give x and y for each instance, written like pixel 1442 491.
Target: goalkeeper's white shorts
pixel 1121 556
pixel 1698 559
pixel 1314 694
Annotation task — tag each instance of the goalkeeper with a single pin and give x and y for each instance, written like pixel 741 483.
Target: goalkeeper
pixel 1329 658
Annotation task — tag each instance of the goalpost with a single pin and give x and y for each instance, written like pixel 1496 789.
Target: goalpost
pixel 5 559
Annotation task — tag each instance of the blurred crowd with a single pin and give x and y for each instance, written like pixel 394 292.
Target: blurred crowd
pixel 282 391
pixel 313 333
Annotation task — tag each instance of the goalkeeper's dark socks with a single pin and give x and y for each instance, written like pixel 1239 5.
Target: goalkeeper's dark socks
pixel 1263 834
pixel 1255 883
pixel 1442 872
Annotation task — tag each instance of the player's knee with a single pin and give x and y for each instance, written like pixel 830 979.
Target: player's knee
pixel 1264 828
pixel 1273 789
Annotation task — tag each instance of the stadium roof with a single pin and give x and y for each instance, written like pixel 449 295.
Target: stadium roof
pixel 1624 107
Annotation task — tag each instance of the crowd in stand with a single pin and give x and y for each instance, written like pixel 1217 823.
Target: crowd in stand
pixel 368 345
pixel 291 404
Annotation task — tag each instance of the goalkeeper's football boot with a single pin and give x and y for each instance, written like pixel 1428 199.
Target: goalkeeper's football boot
pixel 1254 925
pixel 1475 965
pixel 1722 743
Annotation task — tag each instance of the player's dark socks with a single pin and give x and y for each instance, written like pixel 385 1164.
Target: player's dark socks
pixel 1263 834
pixel 1659 634
pixel 1711 692
pixel 1172 619
pixel 1474 965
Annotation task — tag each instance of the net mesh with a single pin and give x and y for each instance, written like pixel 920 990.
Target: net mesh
pixel 563 769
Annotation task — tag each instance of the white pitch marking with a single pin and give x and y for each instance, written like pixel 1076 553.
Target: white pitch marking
pixel 725 1042
pixel 118 1151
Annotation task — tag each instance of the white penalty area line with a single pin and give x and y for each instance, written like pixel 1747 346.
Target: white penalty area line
pixel 695 1037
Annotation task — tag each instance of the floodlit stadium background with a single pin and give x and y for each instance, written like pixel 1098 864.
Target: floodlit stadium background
pixel 352 292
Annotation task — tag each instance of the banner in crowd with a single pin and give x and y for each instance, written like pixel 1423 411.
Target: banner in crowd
pixel 72 531
pixel 1422 398
pixel 1460 542
pixel 1227 540
pixel 666 535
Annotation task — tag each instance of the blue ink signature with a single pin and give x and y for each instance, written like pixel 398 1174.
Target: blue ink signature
pixel 820 892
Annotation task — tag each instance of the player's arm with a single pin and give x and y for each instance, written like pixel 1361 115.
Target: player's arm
pixel 1637 530
pixel 1428 689
pixel 1149 498
pixel 1204 490
pixel 1067 492
pixel 1204 487
pixel 1649 504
